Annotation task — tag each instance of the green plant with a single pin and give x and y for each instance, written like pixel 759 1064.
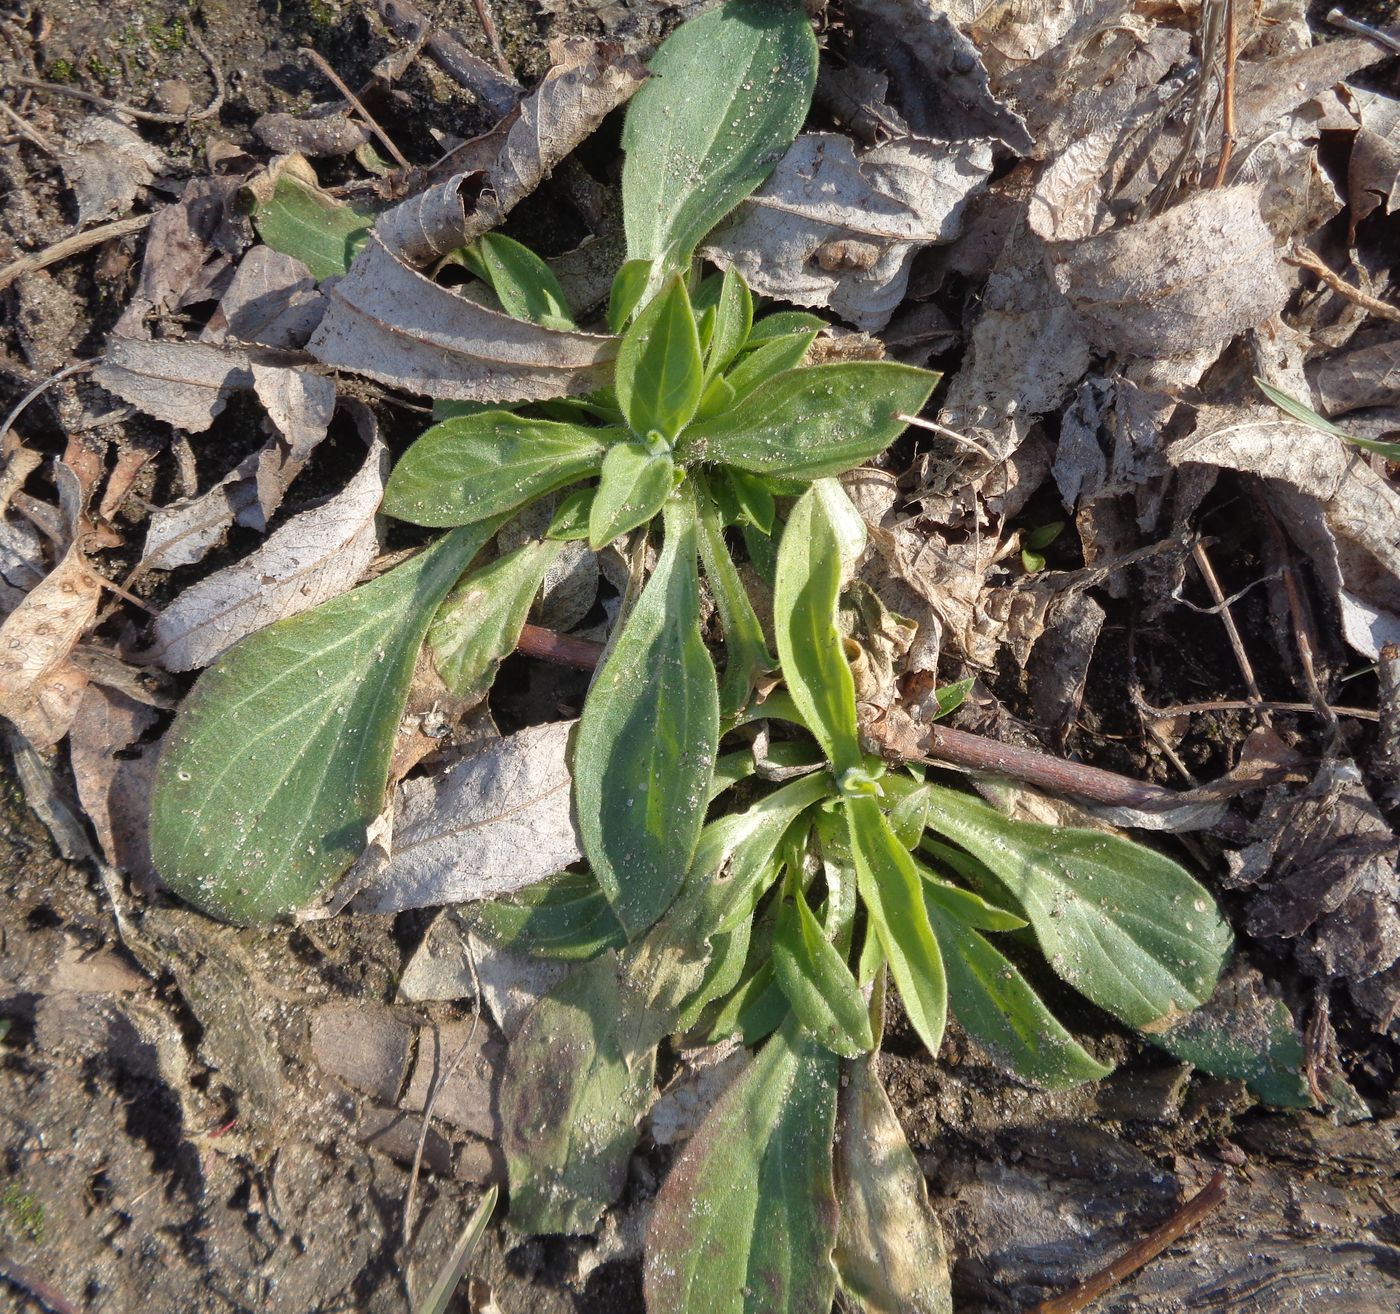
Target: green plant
pixel 22 1213
pixel 1306 415
pixel 714 905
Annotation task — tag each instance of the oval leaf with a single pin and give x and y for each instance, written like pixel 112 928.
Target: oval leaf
pixel 566 917
pixel 813 422
pixel 746 1219
pixel 729 93
pixel 477 466
pixel 277 762
pixel 648 737
pixel 1123 924
pixel 817 982
pixel 634 486
pixel 659 373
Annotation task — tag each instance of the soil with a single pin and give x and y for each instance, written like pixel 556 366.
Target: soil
pixel 173 1141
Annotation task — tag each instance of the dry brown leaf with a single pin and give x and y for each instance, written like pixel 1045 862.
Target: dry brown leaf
pixel 830 228
pixel 494 172
pixel 1342 514
pixel 1363 376
pixel 106 165
pixel 1185 281
pixel 40 688
pixel 320 135
pixel 272 300
pixel 313 557
pixel 114 787
pixel 493 823
pixel 185 384
pixel 1373 175
pixel 387 321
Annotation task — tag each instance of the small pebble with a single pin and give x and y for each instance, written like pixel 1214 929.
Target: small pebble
pixel 173 96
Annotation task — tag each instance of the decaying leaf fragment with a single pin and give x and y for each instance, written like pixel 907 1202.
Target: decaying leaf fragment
pixel 391 323
pixel 498 820
pixel 107 164
pixel 830 228
pixel 185 384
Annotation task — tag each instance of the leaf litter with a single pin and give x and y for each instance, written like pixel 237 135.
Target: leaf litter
pixel 1038 183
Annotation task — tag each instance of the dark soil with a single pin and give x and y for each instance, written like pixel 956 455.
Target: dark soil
pixel 171 1144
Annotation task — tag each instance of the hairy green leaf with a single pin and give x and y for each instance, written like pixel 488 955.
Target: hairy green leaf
pixel 648 737
pixel 1120 922
pixel 968 908
pixel 277 761
pixel 628 288
pixel 659 373
pixel 525 285
pixel 301 220
pixel 781 323
pixel 774 357
pixel 811 422
pixel 469 469
pixel 746 1219
pixel 634 485
pixel 480 621
pixel 894 900
pixel 729 93
pixel 733 320
pixel 566 917
pixel 817 549
pixel 1000 1010
pixel 817 982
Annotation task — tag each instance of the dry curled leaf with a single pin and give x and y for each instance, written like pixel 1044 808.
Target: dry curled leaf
pixel 107 164
pixel 495 822
pixel 830 228
pixel 185 384
pixel 272 301
pixel 313 557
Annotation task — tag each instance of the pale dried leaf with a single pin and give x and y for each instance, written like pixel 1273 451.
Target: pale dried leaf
pixel 1339 511
pixel 1188 279
pixel 1364 376
pixel 1266 92
pixel 21 562
pixel 493 823
pixel 185 384
pixel 316 135
pixel 494 172
pixel 1373 176
pixel 315 556
pixel 106 165
pixel 389 322
pixel 114 786
pixel 39 686
pixel 272 300
pixel 300 404
pixel 829 228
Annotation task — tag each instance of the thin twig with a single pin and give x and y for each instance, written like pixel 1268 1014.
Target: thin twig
pixel 1209 1198
pixel 488 23
pixel 215 104
pixel 354 100
pixel 1381 309
pixel 28 131
pixel 935 427
pixel 1355 25
pixel 1268 704
pixel 561 649
pixel 23 403
pixel 1228 619
pixel 72 245
pixel 33 1285
pixel 1227 122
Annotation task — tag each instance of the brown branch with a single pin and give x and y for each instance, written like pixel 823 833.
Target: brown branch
pixel 1227 124
pixel 1305 259
pixel 33 1285
pixel 70 246
pixel 561 649
pixel 1208 1198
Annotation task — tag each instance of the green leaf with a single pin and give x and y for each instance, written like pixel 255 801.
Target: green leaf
pixel 746 1219
pixel 754 499
pixel 818 984
pixel 636 481
pixel 301 220
pixel 566 917
pixel 754 1011
pixel 571 516
pixel 278 759
pixel 718 396
pixel 1000 1010
pixel 733 320
pixel 578 1079
pixel 811 422
pixel 818 548
pixel 890 1255
pixel 1123 924
pixel 729 952
pixel 437 1300
pixel 949 697
pixel 659 374
pixel 648 737
pixel 945 900
pixel 628 288
pixel 481 619
pixel 782 323
pixel 774 357
pixel 469 469
pixel 1299 411
pixel 746 651
pixel 909 816
pixel 729 93
pixel 894 900
pixel 525 285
